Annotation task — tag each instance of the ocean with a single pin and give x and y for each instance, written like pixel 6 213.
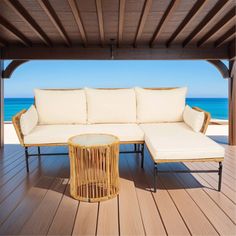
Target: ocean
pixel 218 107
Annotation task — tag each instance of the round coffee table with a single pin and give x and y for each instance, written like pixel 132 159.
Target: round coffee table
pixel 94 172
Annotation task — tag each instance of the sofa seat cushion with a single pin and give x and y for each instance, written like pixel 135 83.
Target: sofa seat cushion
pixel 59 134
pixel 53 134
pixel 177 141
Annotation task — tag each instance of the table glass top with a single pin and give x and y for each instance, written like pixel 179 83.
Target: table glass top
pixel 93 139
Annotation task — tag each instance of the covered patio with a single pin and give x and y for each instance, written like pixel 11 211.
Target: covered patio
pixel 38 202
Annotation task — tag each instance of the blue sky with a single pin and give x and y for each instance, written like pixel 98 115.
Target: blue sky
pixel 201 78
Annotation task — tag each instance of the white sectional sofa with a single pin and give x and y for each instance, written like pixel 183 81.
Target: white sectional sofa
pixel 159 118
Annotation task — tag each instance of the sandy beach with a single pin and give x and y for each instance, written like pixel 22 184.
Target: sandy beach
pixel 217 132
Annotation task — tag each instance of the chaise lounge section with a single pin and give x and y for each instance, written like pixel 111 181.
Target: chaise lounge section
pixel 158 118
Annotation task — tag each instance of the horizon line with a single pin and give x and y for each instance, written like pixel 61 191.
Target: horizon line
pixel 186 97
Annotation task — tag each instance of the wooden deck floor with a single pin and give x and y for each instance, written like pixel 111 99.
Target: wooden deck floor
pixel 185 204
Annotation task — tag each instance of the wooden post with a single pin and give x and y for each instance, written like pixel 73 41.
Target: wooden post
pixel 1 106
pixel 232 103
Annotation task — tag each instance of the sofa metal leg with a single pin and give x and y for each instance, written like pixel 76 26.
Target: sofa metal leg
pixel 27 159
pixel 39 153
pixel 142 155
pixel 155 177
pixel 220 176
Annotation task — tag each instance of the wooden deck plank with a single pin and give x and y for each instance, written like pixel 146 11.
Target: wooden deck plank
pixel 219 198
pixel 26 208
pixel 11 167
pixel 86 219
pixel 41 219
pixel 22 213
pixel 171 217
pixel 130 215
pixel 17 160
pixel 8 152
pixel 12 159
pixel 186 206
pixel 17 180
pixel 20 177
pixel 229 173
pixel 214 183
pixel 151 218
pixel 226 179
pixel 229 161
pixel 231 150
pixel 178 202
pixel 230 154
pixel 21 167
pixel 108 212
pixel 12 154
pixel 63 221
pixel 216 216
pixel 15 197
pixel 230 158
pixel 9 147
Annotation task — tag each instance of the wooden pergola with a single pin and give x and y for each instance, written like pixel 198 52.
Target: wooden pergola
pixel 120 30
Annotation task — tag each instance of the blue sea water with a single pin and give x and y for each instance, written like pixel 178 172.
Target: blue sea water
pixel 218 107
pixel 14 105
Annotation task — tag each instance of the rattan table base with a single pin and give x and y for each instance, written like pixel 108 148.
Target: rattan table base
pixel 94 173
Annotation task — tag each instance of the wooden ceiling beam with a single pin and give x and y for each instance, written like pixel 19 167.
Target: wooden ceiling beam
pixel 75 10
pixel 164 20
pixel 227 36
pixel 121 21
pixel 232 49
pixel 3 42
pixel 98 53
pixel 218 27
pixel 14 31
pixel 100 21
pixel 23 13
pixel 209 17
pixel 221 67
pixel 191 14
pixel 142 21
pixel 12 67
pixel 48 9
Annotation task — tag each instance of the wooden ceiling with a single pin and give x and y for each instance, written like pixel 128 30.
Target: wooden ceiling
pixel 166 24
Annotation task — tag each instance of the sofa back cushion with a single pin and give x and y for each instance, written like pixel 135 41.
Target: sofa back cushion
pixel 111 106
pixel 29 120
pixel 164 105
pixel 61 106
